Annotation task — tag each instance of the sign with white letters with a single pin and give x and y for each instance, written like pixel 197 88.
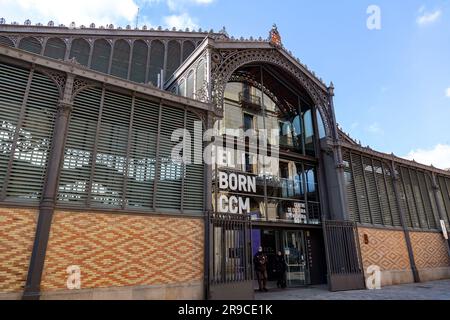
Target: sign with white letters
pixel 444 229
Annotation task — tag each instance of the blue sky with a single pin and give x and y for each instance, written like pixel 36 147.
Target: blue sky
pixel 391 84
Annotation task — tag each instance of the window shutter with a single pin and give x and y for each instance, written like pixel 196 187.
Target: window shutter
pixel 361 192
pixel 194 182
pixel 31 154
pixel 169 172
pixel 383 195
pixel 13 83
pixel 142 161
pixel 373 195
pixel 78 155
pixel 110 161
pixel 350 187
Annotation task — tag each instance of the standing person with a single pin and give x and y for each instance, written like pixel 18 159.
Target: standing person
pixel 280 270
pixel 260 260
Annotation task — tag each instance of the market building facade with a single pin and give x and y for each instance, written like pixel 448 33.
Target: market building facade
pixel 93 204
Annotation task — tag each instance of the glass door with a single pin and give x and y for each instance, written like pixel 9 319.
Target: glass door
pixel 295 254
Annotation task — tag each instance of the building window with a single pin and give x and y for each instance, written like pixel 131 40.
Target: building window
pixel 100 56
pixel 30 44
pixel 156 61
pixel 190 85
pixel 80 50
pixel 55 48
pixel 120 60
pixel 248 122
pixel 173 57
pixel 139 61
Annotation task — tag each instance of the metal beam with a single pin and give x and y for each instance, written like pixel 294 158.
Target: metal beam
pixel 405 227
pixel 47 205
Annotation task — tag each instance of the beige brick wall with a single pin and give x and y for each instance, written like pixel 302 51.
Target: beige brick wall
pixel 386 249
pixel 114 250
pixel 17 231
pixel 430 250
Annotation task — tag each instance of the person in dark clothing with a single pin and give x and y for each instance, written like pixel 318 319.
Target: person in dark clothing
pixel 280 270
pixel 260 261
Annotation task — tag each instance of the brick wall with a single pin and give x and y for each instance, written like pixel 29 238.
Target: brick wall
pixel 430 250
pixel 115 250
pixel 17 230
pixel 386 249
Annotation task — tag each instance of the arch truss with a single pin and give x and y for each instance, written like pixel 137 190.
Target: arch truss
pixel 226 62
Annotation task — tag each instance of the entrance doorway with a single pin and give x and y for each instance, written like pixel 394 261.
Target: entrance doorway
pixel 296 247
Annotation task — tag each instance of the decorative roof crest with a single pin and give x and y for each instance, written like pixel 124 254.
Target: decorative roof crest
pixel 274 36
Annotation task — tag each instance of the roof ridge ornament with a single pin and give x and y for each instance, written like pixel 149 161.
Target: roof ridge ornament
pixel 274 36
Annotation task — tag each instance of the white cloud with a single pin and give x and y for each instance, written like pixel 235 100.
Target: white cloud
pixel 180 21
pixel 426 18
pixel 447 92
pixel 375 128
pixel 179 5
pixel 62 11
pixel 439 156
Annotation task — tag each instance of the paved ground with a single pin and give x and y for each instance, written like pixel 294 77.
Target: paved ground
pixel 437 290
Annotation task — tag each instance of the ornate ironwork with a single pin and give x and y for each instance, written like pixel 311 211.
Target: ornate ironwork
pixel 226 62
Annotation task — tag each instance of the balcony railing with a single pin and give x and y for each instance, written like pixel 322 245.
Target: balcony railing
pixel 249 101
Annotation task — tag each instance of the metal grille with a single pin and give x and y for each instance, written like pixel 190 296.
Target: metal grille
pixel 231 243
pixel 27 118
pixel 345 270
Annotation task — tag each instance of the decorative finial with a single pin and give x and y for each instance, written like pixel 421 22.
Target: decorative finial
pixel 274 36
pixel 331 89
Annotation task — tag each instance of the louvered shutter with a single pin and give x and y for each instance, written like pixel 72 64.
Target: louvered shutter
pixel 31 155
pixel 78 154
pixel 411 206
pixel 418 199
pixel 350 188
pixel 169 172
pixel 193 199
pixel 428 198
pixel 112 143
pixel 361 192
pixel 374 201
pixel 392 197
pixel 385 205
pixel 142 161
pixel 13 83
